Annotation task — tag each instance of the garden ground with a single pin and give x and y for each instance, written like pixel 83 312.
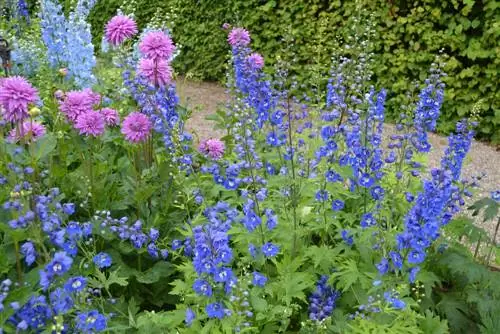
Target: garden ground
pixel 205 97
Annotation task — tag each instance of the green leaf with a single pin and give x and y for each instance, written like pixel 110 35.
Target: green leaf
pixel 115 279
pixel 159 271
pixel 105 282
pixel 180 287
pixel 347 275
pixel 291 286
pixel 323 257
pixel 432 324
pixel 213 117
pixel 306 210
pixel 133 309
pixel 491 212
pixel 259 304
pixel 44 146
pixel 457 313
pixel 145 192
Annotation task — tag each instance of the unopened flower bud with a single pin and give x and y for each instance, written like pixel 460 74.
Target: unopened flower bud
pixel 34 111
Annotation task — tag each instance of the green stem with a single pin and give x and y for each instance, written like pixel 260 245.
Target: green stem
pixel 476 252
pixel 325 220
pixel 18 264
pixel 136 161
pixel 91 176
pixel 293 194
pixel 493 242
pixel 254 182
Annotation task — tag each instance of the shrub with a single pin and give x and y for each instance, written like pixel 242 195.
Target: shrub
pixel 409 35
pixel 298 220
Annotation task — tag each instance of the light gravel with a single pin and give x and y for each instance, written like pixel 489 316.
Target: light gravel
pixel 207 97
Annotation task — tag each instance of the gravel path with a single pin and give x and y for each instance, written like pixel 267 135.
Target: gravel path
pixel 208 96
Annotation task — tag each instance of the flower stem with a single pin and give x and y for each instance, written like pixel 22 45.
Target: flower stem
pixel 18 264
pixel 91 175
pixel 493 242
pixel 293 190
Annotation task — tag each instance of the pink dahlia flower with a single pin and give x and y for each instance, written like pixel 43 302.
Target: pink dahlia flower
pixel 214 148
pixel 255 61
pixel 239 37
pixel 29 130
pixel 16 93
pixel 157 45
pixel 158 72
pixel 90 123
pixel 76 103
pixel 95 97
pixel 136 127
pixel 111 117
pixel 119 29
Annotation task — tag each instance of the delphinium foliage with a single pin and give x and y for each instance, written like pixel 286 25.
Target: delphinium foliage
pixel 301 219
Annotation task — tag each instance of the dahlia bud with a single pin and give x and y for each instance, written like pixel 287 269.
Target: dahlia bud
pixel 59 94
pixel 34 111
pixel 63 71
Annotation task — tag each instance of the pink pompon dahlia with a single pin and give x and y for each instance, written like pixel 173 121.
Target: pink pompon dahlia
pixel 214 148
pixel 95 97
pixel 29 130
pixel 119 29
pixel 76 103
pixel 16 93
pixel 255 61
pixel 136 127
pixel 158 72
pixel 90 123
pixel 111 117
pixel 239 37
pixel 157 45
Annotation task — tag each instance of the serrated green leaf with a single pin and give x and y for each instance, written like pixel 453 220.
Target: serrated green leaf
pixel 115 279
pixel 432 324
pixel 259 304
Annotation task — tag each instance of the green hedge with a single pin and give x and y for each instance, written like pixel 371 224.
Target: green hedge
pixel 409 35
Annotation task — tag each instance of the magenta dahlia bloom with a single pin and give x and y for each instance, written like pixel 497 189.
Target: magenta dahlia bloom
pixel 29 130
pixel 90 123
pixel 111 117
pixel 136 127
pixel 214 148
pixel 95 97
pixel 158 72
pixel 76 103
pixel 255 61
pixel 119 29
pixel 16 93
pixel 239 37
pixel 157 45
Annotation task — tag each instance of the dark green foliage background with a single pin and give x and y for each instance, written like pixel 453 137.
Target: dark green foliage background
pixel 409 35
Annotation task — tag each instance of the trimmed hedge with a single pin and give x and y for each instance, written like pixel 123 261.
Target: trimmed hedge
pixel 409 35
